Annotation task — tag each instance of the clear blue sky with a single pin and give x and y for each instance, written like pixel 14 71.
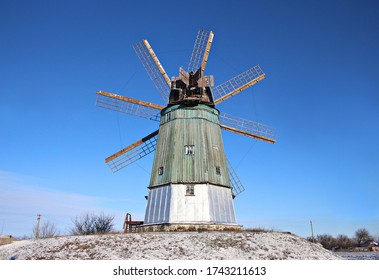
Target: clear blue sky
pixel 321 93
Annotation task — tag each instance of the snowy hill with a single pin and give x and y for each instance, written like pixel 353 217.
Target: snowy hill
pixel 168 246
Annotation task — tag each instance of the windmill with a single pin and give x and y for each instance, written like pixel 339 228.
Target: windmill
pixel 192 185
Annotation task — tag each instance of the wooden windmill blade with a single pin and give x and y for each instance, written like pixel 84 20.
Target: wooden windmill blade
pixel 200 51
pixel 247 128
pixel 238 84
pixel 235 182
pixel 133 152
pixel 128 105
pixel 153 68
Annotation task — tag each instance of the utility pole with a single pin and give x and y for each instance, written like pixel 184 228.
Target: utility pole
pixel 313 238
pixel 37 228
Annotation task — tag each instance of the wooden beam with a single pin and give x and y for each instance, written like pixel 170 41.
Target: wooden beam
pixel 130 100
pixel 206 53
pixel 232 129
pixel 241 88
pixel 157 63
pixel 139 142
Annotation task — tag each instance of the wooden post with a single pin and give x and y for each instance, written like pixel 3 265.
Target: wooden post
pixel 37 228
pixel 313 238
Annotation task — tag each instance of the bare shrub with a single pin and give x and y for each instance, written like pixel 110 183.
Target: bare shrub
pixel 84 225
pixel 326 240
pixel 104 223
pixel 344 241
pixel 48 229
pixel 90 223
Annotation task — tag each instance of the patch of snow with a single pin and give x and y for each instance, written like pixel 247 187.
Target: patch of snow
pixel 169 246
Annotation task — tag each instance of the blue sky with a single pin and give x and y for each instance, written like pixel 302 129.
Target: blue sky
pixel 321 93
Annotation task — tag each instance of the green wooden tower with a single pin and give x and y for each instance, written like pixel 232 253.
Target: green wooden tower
pixel 192 185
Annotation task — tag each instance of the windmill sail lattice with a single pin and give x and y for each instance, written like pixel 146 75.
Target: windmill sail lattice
pixel 128 106
pixel 153 68
pixel 200 51
pixel 235 181
pixel 247 128
pixel 238 84
pixel 132 153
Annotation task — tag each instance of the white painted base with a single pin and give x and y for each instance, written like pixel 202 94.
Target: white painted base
pixel 210 204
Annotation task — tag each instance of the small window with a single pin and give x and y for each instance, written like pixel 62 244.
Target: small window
pixel 189 149
pixel 218 170
pixel 160 170
pixel 190 190
pixel 168 116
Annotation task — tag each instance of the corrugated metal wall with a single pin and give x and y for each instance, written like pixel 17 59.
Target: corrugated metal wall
pixel 209 204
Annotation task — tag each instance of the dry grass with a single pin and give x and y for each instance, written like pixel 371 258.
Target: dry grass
pixel 258 229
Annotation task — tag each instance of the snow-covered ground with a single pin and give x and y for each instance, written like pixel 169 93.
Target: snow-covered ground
pixel 359 255
pixel 168 246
